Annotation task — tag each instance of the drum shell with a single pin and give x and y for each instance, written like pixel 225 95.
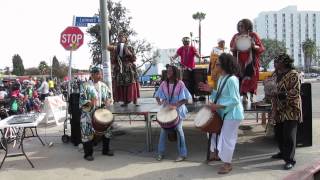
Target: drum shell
pixel 213 125
pixel 98 126
pixel 169 125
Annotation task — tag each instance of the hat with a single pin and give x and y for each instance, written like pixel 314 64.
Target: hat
pixel 185 39
pixel 219 40
pixel 95 69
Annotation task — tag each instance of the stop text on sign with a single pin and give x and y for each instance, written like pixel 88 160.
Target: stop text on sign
pixel 71 38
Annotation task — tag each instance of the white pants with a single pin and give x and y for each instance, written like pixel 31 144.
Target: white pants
pixel 226 140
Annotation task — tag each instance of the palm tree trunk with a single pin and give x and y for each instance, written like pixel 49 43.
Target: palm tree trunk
pixel 199 39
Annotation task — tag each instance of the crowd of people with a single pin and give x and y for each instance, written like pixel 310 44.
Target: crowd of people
pixel 18 97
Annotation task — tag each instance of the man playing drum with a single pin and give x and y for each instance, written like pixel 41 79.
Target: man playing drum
pixel 187 53
pixel 213 70
pixel 94 95
pixel 247 47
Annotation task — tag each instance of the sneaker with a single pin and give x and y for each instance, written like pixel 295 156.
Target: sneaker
pixel 160 157
pixel 89 158
pixel 288 166
pixel 180 159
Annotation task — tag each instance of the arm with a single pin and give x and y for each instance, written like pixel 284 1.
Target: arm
pixel 111 48
pixel 257 44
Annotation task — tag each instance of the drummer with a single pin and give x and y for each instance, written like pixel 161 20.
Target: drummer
pixel 249 60
pixel 97 95
pixel 187 55
pixel 173 93
pixel 213 69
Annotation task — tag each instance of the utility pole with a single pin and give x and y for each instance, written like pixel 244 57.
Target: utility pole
pixel 104 43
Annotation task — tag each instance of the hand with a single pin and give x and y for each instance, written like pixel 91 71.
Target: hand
pixel 213 107
pixel 204 87
pixel 159 102
pixel 172 106
pixel 109 102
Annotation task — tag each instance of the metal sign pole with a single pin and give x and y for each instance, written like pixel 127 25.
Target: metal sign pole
pixel 104 43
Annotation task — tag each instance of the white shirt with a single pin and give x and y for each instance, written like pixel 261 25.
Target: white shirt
pixel 3 94
pixel 44 88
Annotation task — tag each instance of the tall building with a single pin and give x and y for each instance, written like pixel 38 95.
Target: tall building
pixel 290 26
pixel 161 61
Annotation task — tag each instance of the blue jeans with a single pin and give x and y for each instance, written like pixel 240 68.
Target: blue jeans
pixel 181 143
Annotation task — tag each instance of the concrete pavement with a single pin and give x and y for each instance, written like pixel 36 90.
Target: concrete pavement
pixel 131 161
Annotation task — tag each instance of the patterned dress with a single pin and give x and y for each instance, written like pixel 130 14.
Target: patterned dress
pixel 287 105
pixel 88 92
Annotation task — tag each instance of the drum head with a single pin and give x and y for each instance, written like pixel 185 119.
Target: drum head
pixel 243 43
pixel 103 116
pixel 167 115
pixel 203 116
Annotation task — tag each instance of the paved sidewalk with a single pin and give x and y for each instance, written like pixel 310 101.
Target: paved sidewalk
pixel 131 161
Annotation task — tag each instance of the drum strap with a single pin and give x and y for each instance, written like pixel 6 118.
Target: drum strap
pixel 174 87
pixel 220 88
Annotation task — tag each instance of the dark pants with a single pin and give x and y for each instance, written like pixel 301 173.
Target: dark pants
pixel 88 147
pixel 286 134
pixel 43 97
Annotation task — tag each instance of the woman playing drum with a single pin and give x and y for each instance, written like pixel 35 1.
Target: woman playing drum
pixel 247 47
pixel 172 93
pixel 230 109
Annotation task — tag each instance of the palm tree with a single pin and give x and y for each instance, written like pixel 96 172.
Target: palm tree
pixel 273 48
pixel 309 49
pixel 199 16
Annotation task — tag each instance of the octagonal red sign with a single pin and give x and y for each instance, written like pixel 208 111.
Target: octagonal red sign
pixel 71 38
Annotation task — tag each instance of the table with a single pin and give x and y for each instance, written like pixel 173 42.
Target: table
pixel 145 109
pixel 149 107
pixel 34 118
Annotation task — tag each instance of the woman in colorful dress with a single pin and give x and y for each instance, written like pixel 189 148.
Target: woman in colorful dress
pixel 249 59
pixel 125 83
pixel 286 108
pixel 173 93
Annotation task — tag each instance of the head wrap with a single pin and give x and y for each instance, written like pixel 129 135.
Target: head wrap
pixel 95 69
pixel 285 59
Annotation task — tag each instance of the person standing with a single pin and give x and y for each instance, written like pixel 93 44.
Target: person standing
pixel 230 109
pixel 286 108
pixel 173 93
pixel 249 59
pixel 44 89
pixel 213 69
pixel 187 54
pixel 97 95
pixel 126 85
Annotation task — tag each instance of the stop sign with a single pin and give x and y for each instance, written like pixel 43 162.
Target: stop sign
pixel 71 38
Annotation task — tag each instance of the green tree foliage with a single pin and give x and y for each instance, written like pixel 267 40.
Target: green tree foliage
pixel 18 68
pixel 273 49
pixel 120 21
pixel 43 67
pixel 56 69
pixel 310 51
pixel 32 71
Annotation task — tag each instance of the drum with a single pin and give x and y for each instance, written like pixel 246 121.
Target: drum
pixel 208 121
pixel 270 86
pixel 167 118
pixel 199 75
pixel 243 42
pixel 101 120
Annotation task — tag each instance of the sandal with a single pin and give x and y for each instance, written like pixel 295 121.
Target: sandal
pixel 225 169
pixel 214 157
